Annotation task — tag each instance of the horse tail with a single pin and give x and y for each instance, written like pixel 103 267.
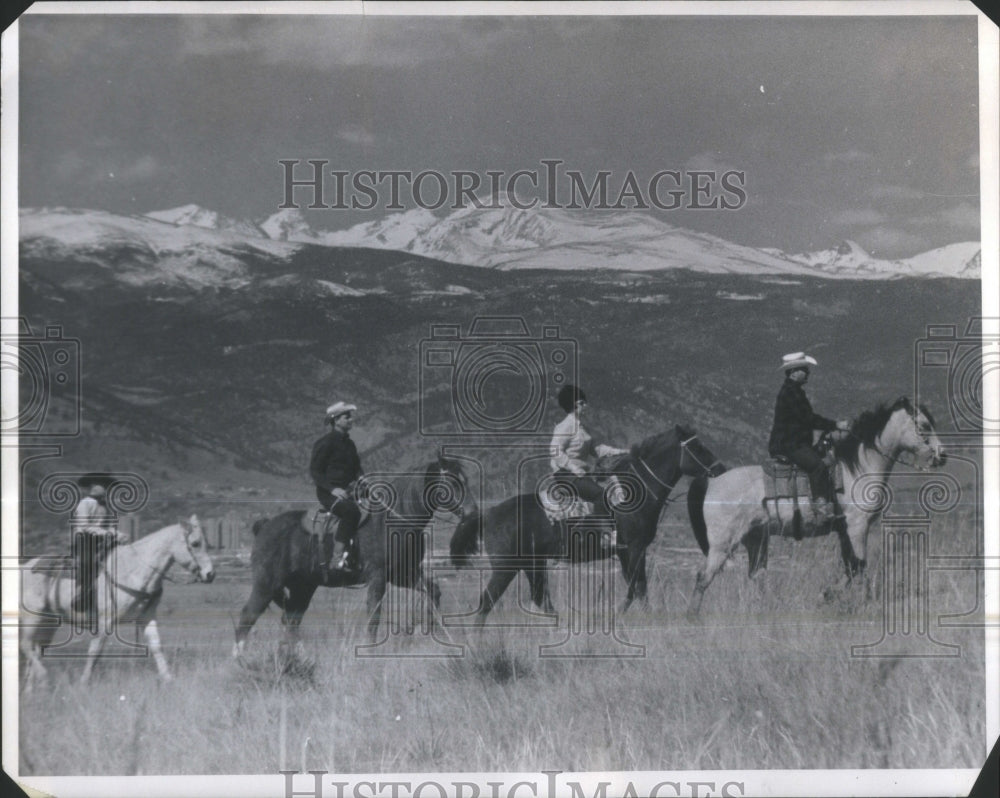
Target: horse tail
pixel 465 541
pixel 696 511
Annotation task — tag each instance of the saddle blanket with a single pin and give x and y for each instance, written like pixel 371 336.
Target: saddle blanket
pixel 319 522
pixel 786 481
pixel 561 508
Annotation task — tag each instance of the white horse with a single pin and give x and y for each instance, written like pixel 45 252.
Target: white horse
pixel 128 589
pixel 730 509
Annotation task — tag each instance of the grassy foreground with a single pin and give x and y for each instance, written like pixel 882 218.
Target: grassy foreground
pixel 763 679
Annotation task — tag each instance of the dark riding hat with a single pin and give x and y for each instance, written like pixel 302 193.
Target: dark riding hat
pixel 569 395
pixel 98 478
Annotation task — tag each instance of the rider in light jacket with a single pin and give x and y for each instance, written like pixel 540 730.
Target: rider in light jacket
pixel 573 452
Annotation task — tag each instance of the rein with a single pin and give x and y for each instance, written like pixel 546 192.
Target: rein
pixel 684 450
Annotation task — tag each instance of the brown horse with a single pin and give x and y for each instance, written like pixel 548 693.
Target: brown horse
pixel 518 536
pixel 390 545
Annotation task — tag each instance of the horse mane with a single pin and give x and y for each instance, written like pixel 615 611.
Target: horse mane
pixel 867 427
pixel 660 441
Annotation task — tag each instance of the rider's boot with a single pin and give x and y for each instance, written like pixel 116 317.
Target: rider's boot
pixel 822 510
pixel 339 560
pixel 609 538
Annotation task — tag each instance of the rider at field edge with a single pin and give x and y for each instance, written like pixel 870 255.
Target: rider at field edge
pixel 95 533
pixel 792 431
pixel 334 467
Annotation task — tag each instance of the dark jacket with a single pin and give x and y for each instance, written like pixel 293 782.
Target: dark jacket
pixel 794 420
pixel 335 462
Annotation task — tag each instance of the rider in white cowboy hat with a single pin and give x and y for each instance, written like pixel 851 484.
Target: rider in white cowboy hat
pixel 792 431
pixel 334 467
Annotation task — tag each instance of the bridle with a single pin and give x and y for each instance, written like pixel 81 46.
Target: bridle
pixel 897 460
pixel 685 450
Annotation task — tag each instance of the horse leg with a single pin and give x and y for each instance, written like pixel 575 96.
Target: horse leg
pixel 295 607
pixel 252 610
pixel 634 571
pixel 93 652
pixel 717 557
pixel 538 579
pixel 376 595
pixel 31 647
pixel 430 589
pixel 152 635
pixel 499 582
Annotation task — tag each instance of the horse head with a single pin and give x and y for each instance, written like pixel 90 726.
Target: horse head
pixel 891 431
pixel 191 549
pixel 917 434
pixel 696 458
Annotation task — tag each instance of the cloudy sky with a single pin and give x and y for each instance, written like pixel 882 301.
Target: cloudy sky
pixel 859 128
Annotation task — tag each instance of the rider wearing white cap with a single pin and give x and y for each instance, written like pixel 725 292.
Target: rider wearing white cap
pixel 794 422
pixel 334 467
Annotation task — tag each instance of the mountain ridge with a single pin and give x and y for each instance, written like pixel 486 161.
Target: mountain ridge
pixel 508 238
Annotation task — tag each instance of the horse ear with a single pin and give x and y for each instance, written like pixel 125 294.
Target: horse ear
pixel 184 522
pixel 904 402
pixel 193 520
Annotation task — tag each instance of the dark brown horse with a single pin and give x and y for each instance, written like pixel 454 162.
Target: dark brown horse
pixel 390 546
pixel 518 536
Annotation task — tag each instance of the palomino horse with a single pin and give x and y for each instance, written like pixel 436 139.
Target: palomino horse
pixel 730 509
pixel 390 543
pixel 518 535
pixel 128 588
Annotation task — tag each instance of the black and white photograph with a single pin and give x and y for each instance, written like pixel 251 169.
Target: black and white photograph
pixel 491 400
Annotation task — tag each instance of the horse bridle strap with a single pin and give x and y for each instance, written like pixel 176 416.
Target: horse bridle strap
pixel 141 595
pixel 707 468
pixel 653 474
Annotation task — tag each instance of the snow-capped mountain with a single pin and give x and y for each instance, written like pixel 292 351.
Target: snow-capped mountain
pixel 289 225
pixel 508 238
pixel 511 238
pixel 143 250
pixel 198 216
pixel 849 259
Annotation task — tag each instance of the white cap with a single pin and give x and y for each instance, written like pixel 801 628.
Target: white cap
pixel 339 408
pixel 796 360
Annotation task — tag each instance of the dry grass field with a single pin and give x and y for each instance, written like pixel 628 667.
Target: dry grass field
pixel 764 678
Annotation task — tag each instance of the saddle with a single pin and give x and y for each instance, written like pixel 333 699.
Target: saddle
pixel 787 483
pixel 558 508
pixel 318 523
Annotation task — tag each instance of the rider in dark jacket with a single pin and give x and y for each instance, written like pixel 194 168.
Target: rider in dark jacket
pixel 334 467
pixel 794 423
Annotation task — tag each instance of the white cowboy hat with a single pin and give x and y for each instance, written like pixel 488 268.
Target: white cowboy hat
pixel 339 408
pixel 797 360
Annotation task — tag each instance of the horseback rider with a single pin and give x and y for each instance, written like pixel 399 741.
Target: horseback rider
pixel 792 431
pixel 573 452
pixel 334 467
pixel 95 532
